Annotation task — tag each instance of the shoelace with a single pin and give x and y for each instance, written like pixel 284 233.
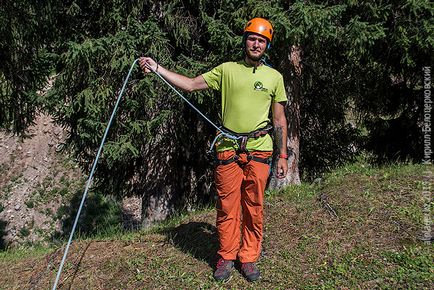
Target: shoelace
pixel 221 263
pixel 248 267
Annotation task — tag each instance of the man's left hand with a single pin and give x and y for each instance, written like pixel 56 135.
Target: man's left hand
pixel 282 168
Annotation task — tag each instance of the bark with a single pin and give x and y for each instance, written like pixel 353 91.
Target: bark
pixel 177 172
pixel 292 71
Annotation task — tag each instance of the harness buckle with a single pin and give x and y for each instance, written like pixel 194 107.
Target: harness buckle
pixel 243 144
pixel 241 139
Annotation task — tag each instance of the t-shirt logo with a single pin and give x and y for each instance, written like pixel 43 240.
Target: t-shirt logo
pixel 258 86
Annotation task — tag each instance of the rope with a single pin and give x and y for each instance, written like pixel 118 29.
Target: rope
pixel 221 132
pixel 89 181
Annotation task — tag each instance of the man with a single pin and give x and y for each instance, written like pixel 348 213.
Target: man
pixel 248 89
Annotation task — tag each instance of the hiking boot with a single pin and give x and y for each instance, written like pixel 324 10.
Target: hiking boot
pixel 223 269
pixel 250 271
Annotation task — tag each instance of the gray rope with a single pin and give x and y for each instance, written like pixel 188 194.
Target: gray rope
pixel 89 181
pixel 221 132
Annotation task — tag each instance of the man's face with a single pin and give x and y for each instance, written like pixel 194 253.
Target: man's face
pixel 255 46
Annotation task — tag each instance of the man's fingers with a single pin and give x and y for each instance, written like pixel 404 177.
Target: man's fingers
pixel 144 65
pixel 281 171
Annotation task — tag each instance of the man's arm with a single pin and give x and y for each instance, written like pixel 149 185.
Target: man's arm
pixel 182 82
pixel 280 134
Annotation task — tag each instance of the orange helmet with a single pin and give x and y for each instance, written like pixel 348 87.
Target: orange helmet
pixel 260 26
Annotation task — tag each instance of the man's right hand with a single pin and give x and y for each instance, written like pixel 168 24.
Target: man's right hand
pixel 148 65
pixel 182 82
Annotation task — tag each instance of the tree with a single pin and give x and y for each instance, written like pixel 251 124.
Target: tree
pixel 292 63
pixel 352 72
pixel 25 61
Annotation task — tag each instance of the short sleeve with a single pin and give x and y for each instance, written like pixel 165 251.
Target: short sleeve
pixel 280 93
pixel 213 78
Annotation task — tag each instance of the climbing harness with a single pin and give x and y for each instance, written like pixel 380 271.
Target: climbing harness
pixel 242 142
pixel 236 158
pixel 244 137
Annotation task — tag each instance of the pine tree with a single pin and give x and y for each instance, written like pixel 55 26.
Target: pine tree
pixel 25 61
pixel 352 72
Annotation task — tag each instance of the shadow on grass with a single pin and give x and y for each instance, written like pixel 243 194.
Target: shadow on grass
pixel 2 234
pixel 100 214
pixel 129 220
pixel 198 239
pixel 76 267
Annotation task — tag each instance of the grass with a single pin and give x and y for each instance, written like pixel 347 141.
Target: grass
pixel 18 254
pixel 46 191
pixel 24 232
pixel 373 241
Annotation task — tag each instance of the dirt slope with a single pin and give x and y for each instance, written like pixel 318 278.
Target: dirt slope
pixel 36 178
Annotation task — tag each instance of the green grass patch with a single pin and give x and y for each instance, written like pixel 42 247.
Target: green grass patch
pixel 371 243
pixel 24 232
pixel 410 267
pixel 17 254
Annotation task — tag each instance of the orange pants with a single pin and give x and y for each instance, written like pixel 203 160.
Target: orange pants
pixel 240 189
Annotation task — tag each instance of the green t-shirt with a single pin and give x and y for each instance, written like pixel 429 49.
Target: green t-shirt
pixel 247 94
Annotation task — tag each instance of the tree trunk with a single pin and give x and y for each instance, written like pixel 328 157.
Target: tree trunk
pixel 292 69
pixel 177 174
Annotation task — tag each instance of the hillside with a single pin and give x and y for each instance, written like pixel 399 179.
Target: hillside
pixel 36 179
pixel 360 227
pixel 40 184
